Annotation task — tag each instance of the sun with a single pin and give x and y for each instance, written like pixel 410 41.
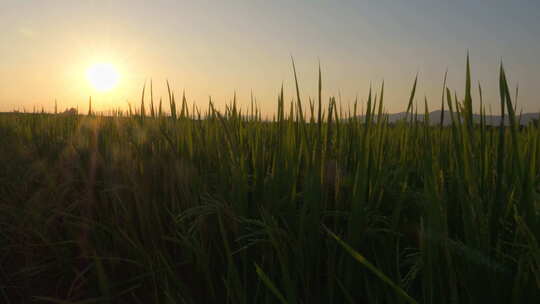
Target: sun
pixel 103 76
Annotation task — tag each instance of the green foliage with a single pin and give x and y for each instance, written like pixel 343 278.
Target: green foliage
pixel 209 206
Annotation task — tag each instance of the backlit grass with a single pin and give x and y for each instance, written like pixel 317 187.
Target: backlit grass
pixel 318 205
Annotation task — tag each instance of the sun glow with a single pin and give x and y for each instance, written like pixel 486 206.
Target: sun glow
pixel 102 76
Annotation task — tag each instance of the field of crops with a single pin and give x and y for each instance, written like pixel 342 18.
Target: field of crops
pixel 319 205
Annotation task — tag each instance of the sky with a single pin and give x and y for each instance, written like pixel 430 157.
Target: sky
pixel 217 48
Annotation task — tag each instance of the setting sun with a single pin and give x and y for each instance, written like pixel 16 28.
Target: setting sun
pixel 102 76
pixel 286 151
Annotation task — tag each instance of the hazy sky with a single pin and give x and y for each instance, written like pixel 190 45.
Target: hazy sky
pixel 218 47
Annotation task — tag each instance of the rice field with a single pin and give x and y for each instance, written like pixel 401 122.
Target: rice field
pixel 174 203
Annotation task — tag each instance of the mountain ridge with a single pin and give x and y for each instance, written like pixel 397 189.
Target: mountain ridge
pixel 435 118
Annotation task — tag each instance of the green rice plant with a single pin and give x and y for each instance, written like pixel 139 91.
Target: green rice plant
pixel 208 205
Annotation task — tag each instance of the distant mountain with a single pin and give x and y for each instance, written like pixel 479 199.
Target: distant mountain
pixel 435 118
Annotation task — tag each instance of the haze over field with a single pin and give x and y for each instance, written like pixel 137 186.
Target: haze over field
pixel 217 47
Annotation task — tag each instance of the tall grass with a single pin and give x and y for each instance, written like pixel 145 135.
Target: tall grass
pixel 325 206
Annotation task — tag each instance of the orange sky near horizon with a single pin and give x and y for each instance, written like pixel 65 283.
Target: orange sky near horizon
pixel 212 49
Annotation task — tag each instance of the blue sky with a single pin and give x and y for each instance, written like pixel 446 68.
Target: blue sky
pixel 218 47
